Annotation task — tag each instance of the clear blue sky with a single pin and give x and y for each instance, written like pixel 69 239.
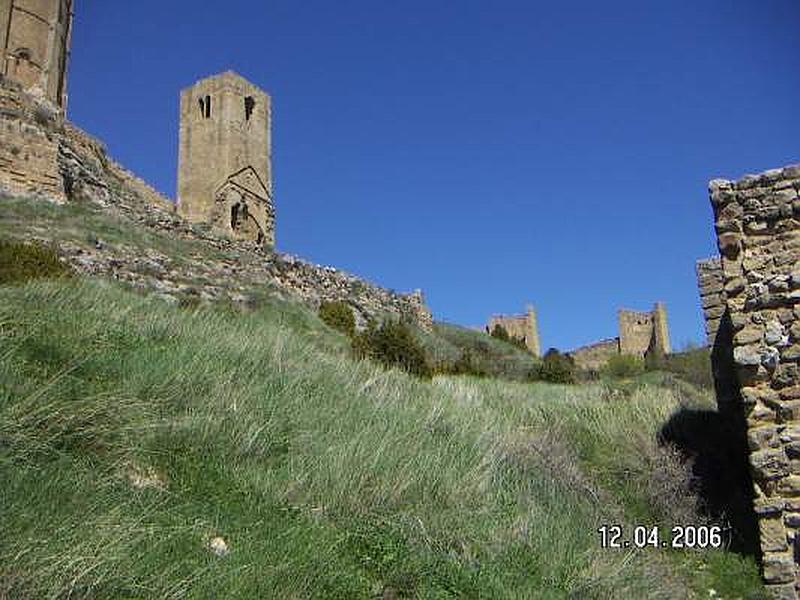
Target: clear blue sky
pixel 490 153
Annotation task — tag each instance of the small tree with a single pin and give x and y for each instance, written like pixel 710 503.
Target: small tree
pixel 393 345
pixel 500 333
pixel 339 316
pixel 556 368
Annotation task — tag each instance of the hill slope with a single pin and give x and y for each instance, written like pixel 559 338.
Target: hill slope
pixel 133 432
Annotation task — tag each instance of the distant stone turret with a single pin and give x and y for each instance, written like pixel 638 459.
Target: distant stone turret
pixel 34 40
pixel 522 327
pixel 224 166
pixel 640 332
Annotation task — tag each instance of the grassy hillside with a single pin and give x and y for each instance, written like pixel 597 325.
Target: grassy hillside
pixel 132 433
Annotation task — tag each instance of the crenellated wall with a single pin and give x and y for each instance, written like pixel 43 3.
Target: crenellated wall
pixel 757 345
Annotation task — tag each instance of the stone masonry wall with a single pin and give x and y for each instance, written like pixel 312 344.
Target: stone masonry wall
pixel 28 146
pixel 594 356
pixel 756 220
pixel 43 157
pixel 713 298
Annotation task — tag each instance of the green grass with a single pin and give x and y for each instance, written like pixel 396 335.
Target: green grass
pixel 494 357
pixel 327 477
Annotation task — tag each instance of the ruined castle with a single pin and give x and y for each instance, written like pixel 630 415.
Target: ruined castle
pixel 750 293
pixel 640 333
pixel 520 327
pixel 224 178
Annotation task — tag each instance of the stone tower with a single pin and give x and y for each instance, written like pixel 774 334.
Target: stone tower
pixel 660 330
pixel 224 165
pixel 34 39
pixel 641 331
pixel 522 327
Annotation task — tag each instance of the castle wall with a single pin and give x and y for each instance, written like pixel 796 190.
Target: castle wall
pixel 522 327
pixel 756 220
pixel 224 164
pixel 34 44
pixel 595 356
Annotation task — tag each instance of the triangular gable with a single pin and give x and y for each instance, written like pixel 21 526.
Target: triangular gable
pixel 248 179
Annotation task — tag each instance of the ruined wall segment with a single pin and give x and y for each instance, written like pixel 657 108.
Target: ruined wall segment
pixel 595 356
pixel 224 163
pixel 713 299
pixel 756 220
pixel 34 41
pixel 523 327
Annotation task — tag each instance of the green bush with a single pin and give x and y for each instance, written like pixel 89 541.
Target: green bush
pixel 20 262
pixel 500 333
pixel 338 315
pixel 555 368
pixel 692 365
pixel 465 364
pixel 393 345
pixel 623 365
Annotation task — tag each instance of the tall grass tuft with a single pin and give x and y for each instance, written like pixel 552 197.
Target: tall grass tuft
pixel 133 433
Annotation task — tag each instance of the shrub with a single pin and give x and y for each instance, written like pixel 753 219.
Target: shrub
pixel 393 345
pixel 338 315
pixel 556 368
pixel 500 333
pixel 692 365
pixel 623 365
pixel 20 262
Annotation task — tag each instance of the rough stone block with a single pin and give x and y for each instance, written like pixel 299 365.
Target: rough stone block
pixel 778 568
pixel 772 533
pixel 770 464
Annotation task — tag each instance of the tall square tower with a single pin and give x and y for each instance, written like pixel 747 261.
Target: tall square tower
pixel 224 165
pixel 34 41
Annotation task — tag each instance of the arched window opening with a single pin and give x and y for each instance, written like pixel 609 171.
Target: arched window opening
pixel 249 105
pixel 22 54
pixel 208 107
pixel 235 217
pixel 202 102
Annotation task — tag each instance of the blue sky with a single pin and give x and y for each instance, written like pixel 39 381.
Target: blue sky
pixel 490 153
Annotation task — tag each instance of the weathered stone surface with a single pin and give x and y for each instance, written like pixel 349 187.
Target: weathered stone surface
pixel 778 568
pixel 769 464
pixel 759 244
pixel 772 533
pixel 224 163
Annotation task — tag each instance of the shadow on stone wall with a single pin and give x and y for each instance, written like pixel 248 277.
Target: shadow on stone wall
pixel 716 443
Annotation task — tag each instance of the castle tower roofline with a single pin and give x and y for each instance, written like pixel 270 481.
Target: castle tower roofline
pixel 224 76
